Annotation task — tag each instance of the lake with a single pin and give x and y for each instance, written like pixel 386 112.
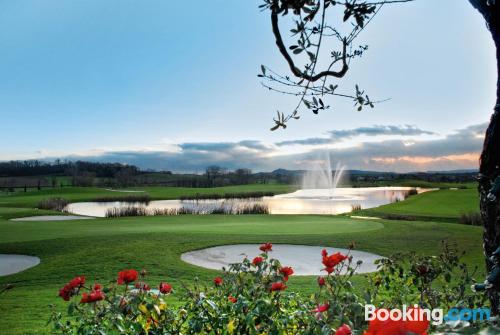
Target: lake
pixel 306 201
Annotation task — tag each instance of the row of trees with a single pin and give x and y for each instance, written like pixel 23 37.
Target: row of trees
pixel 66 168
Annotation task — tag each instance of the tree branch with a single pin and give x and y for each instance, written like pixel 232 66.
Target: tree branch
pixel 296 71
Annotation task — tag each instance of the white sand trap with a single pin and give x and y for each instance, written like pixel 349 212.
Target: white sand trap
pixel 305 260
pixel 123 191
pixel 10 264
pixel 53 218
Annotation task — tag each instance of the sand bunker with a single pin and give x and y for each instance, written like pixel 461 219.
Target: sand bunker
pixel 10 264
pixel 53 218
pixel 305 260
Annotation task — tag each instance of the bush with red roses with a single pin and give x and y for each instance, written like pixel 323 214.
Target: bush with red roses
pixel 255 297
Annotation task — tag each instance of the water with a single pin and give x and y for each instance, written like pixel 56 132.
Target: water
pixel 323 201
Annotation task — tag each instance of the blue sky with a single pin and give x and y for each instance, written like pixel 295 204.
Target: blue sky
pixel 140 81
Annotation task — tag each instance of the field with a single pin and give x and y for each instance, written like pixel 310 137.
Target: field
pixel 100 248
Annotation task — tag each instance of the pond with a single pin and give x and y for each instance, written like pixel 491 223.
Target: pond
pixel 306 201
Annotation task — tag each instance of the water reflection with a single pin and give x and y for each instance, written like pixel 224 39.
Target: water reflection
pixel 310 201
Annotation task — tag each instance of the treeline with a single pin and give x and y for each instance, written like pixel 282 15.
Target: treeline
pixel 29 168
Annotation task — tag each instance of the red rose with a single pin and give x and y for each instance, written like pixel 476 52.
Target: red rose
pixel 165 288
pixel 127 276
pixel 321 308
pixel 331 261
pixel 392 327
pixel 218 281
pixel 93 296
pixel 232 299
pixel 77 282
pixel 286 271
pixel 321 281
pixel 97 287
pixel 344 330
pixel 278 286
pixel 266 247
pixel 257 260
pixel 71 288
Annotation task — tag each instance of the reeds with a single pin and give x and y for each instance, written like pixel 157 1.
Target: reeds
pixel 222 208
pixel 54 204
pixel 355 207
pixel 142 198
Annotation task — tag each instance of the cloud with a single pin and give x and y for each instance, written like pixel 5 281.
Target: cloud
pixel 336 136
pixel 458 150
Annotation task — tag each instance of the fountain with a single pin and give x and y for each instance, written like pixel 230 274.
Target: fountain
pixel 319 175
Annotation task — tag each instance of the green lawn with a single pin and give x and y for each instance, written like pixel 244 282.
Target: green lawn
pixel 445 205
pixel 100 248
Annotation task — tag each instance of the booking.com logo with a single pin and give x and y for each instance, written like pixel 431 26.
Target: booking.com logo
pixel 435 316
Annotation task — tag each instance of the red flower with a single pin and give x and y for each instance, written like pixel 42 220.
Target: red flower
pixel 321 308
pixel 321 281
pixel 127 276
pixel 266 247
pixel 232 299
pixel 93 296
pixel 257 260
pixel 344 330
pixel 286 271
pixel 71 288
pixel 97 287
pixel 165 288
pixel 77 282
pixel 218 281
pixel 142 286
pixel 331 261
pixel 329 270
pixel 399 327
pixel 278 286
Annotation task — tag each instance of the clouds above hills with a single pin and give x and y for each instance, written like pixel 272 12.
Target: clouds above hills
pixel 380 147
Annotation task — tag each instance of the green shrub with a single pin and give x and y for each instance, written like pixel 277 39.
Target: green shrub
pixel 253 297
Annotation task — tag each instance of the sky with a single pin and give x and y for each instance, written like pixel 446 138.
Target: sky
pixel 173 85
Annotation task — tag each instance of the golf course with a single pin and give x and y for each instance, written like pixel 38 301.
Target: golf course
pixel 101 247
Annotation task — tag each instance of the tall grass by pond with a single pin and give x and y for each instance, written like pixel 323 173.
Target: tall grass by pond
pixel 142 198
pixel 241 195
pixel 471 219
pixel 53 204
pixel 223 208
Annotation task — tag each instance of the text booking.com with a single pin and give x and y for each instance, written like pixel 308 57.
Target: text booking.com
pixel 435 316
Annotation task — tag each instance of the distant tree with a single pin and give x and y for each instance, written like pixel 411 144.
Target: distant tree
pixel 214 172
pixel 243 175
pixel 311 81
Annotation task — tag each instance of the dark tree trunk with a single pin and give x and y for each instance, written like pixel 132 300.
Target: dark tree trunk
pixel 490 157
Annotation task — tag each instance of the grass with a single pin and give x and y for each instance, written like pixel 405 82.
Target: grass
pixel 100 248
pixel 441 205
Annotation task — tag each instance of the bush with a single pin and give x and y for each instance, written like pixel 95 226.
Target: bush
pixel 54 204
pixel 410 193
pixel 253 297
